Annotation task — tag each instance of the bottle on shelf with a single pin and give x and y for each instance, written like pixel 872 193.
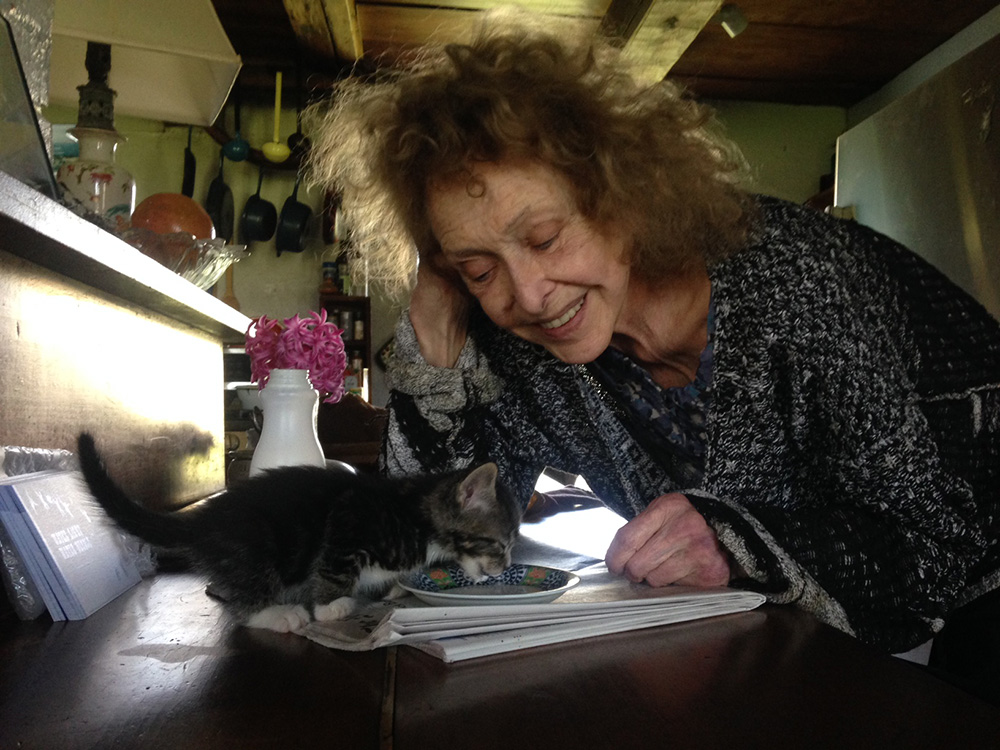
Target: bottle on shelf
pixel 329 283
pixel 347 324
pixel 352 314
pixel 344 274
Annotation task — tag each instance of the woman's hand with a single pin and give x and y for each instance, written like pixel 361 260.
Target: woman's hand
pixel 667 543
pixel 439 312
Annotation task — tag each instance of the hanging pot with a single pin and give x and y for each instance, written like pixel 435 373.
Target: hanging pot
pixel 187 183
pixel 219 204
pixel 229 296
pixel 292 223
pixel 259 218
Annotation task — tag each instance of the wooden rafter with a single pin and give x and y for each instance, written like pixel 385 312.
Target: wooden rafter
pixel 655 33
pixel 327 27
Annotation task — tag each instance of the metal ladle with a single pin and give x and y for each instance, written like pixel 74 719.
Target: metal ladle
pixel 276 150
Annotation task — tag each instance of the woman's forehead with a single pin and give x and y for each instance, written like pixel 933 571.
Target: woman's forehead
pixel 502 195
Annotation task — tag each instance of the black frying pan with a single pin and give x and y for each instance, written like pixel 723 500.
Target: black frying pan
pixel 292 223
pixel 259 218
pixel 187 182
pixel 219 204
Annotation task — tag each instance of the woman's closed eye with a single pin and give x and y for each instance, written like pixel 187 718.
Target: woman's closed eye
pixel 477 271
pixel 542 241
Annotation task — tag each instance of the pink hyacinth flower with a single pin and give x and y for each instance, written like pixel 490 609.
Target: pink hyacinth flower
pixel 311 343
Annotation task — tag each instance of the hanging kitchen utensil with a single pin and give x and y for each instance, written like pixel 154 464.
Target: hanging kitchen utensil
pixel 219 203
pixel 229 297
pixel 187 184
pixel 331 204
pixel 238 148
pixel 298 144
pixel 259 219
pixel 275 150
pixel 292 223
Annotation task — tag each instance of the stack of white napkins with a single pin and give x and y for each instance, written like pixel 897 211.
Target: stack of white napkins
pixel 601 604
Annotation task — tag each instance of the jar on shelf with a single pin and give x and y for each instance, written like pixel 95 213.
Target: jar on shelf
pixel 329 285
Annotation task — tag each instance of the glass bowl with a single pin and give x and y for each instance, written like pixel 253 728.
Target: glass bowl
pixel 202 262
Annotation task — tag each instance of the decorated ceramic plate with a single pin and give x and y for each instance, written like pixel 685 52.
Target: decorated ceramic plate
pixel 448 586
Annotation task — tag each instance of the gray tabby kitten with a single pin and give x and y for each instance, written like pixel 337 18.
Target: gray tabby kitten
pixel 295 543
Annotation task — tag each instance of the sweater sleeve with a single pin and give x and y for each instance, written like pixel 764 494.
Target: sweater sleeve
pixel 843 497
pixel 448 418
pixel 506 401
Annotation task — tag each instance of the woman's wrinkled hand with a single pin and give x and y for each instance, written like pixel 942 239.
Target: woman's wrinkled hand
pixel 668 543
pixel 439 313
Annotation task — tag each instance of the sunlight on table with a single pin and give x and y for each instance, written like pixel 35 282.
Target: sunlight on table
pixel 587 531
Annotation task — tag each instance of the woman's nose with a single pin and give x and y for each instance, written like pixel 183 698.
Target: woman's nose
pixel 529 286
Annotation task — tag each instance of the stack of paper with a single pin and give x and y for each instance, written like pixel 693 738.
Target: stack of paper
pixel 68 547
pixel 601 604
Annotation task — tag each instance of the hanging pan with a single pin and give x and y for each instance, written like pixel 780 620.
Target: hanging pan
pixel 187 182
pixel 219 203
pixel 259 217
pixel 292 223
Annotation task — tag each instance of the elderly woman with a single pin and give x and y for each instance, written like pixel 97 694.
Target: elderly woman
pixel 778 400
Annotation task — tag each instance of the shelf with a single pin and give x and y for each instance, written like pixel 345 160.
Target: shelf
pixel 357 309
pixel 40 230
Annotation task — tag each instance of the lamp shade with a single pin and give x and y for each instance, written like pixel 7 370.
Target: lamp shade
pixel 170 59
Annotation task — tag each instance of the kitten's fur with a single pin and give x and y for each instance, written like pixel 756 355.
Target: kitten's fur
pixel 292 544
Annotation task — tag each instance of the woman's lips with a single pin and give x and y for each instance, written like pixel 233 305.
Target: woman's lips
pixel 564 318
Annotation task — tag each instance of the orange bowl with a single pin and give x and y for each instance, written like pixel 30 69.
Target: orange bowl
pixel 167 213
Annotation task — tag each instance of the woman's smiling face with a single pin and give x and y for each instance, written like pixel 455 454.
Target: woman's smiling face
pixel 538 267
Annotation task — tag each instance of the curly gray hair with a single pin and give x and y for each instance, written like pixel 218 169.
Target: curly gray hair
pixel 640 158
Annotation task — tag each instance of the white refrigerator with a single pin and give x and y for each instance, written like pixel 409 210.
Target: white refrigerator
pixel 925 170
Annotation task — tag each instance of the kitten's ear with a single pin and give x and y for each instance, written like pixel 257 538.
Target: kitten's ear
pixel 478 490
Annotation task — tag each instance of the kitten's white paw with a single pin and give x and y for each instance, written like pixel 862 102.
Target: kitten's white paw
pixel 396 592
pixel 282 618
pixel 338 609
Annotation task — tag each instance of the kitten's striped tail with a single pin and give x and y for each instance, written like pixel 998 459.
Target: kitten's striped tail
pixel 159 529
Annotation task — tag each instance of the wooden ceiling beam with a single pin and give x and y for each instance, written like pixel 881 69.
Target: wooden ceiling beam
pixel 327 28
pixel 623 18
pixel 793 50
pixel 656 32
pixel 343 15
pixel 311 26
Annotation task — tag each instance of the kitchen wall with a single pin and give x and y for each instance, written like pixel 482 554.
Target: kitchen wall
pixel 788 148
pixel 154 153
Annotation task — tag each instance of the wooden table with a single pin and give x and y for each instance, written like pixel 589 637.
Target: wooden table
pixel 163 667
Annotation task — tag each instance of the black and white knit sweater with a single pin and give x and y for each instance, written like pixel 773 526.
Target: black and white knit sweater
pixel 853 431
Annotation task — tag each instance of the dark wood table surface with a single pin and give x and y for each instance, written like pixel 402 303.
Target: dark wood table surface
pixel 164 667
